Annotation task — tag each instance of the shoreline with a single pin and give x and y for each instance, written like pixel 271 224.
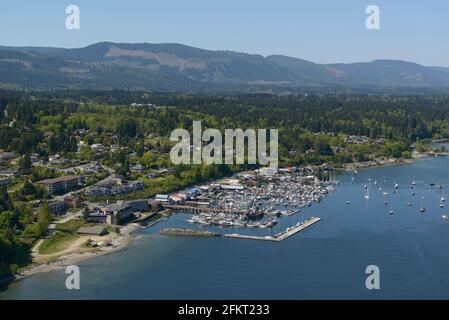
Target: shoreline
pixel 120 242
pixel 126 237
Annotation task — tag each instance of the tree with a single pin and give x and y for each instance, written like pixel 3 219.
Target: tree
pixel 25 164
pixel 5 201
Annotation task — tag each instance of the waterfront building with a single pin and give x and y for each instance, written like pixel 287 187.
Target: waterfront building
pixel 116 213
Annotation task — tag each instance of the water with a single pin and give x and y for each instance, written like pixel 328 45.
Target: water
pixel 325 261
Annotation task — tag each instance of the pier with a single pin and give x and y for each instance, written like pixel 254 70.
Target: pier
pixel 279 238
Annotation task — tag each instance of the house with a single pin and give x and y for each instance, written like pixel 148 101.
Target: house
pixel 232 187
pixel 4 180
pixel 6 156
pixel 176 200
pixel 97 147
pixel 162 198
pixel 61 184
pixel 138 168
pixel 73 202
pixel 93 231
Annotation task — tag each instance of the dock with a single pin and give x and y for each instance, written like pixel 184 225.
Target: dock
pixel 279 238
pixel 197 209
pixel 146 217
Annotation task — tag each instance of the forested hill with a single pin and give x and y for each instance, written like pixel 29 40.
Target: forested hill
pixel 176 67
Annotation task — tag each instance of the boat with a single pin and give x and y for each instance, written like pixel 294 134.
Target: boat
pixel 445 217
pixel 408 204
pixel 348 202
pixel 391 212
pixel 367 194
pixel 422 209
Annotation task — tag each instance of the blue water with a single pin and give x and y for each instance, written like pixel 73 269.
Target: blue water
pixel 325 261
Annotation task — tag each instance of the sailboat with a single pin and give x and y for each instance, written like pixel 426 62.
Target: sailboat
pixel 422 209
pixel 367 194
pixel 443 199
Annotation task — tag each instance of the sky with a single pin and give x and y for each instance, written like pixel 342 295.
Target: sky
pixel 323 31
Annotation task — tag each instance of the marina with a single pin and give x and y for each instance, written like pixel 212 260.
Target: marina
pixel 252 199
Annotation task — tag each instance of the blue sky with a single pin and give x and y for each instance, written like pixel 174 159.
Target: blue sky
pixel 318 30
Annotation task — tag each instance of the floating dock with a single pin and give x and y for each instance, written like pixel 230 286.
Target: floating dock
pixel 279 238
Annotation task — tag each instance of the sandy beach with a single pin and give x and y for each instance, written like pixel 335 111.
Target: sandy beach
pixel 75 255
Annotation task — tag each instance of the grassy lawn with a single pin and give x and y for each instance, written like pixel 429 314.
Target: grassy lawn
pixel 72 226
pixel 63 238
pixel 57 243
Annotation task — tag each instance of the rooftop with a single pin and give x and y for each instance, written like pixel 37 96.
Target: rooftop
pixel 59 179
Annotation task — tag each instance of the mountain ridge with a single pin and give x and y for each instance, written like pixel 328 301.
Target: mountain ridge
pixel 174 66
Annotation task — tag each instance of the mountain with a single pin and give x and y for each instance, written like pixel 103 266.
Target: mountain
pixel 168 66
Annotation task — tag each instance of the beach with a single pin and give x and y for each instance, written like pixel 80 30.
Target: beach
pixel 76 254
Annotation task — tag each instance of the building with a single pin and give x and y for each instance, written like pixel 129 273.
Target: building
pixel 176 200
pixel 162 198
pixel 138 168
pixel 61 185
pixel 5 180
pixel 138 205
pixel 73 202
pixel 58 207
pixel 232 186
pixel 93 231
pixel 117 213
